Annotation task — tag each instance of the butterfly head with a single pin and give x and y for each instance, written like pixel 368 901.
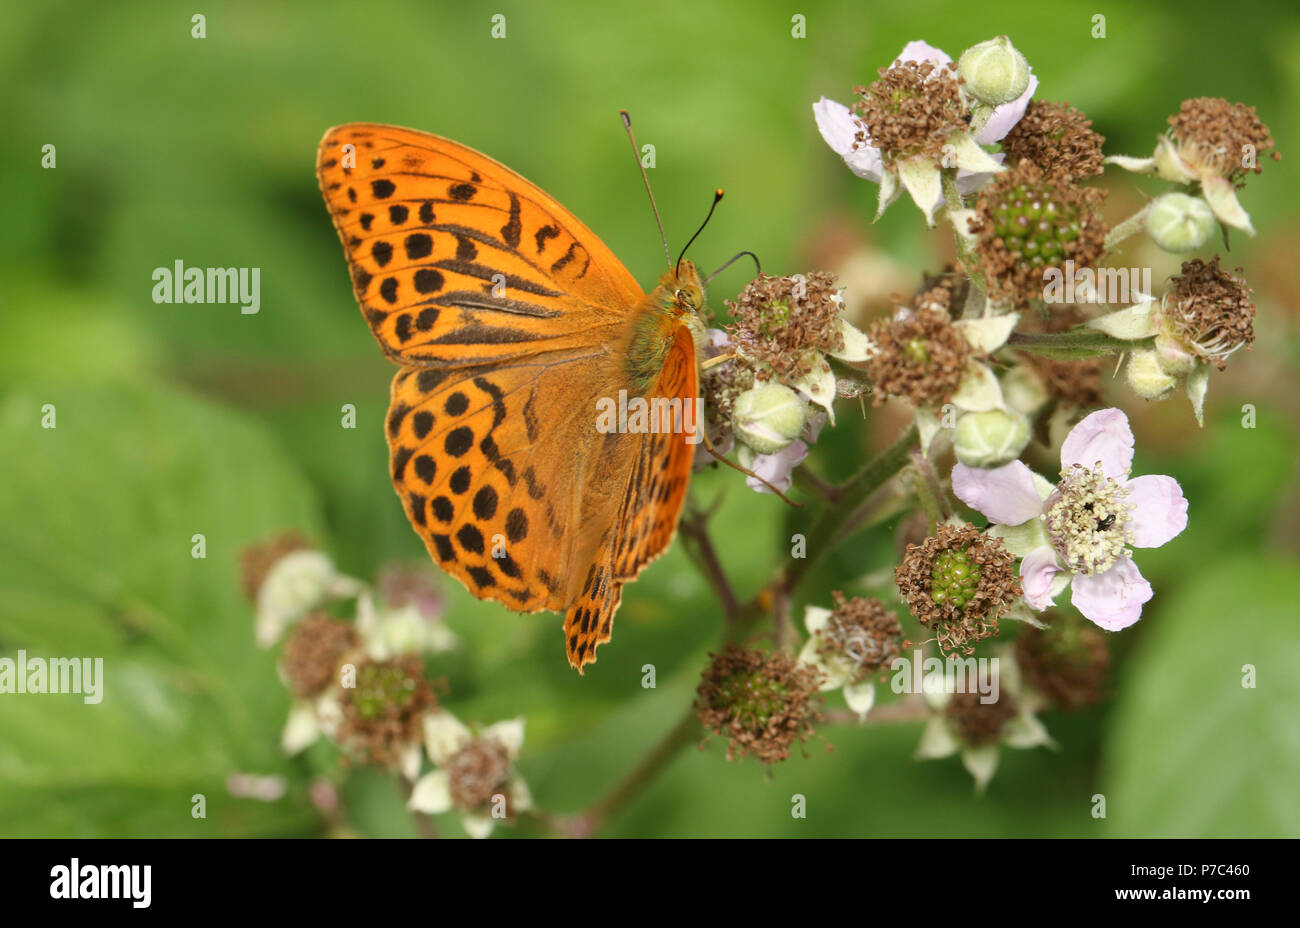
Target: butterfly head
pixel 684 289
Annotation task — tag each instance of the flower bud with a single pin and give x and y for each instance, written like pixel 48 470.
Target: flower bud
pixel 768 417
pixel 995 71
pixel 1178 222
pixel 1147 378
pixel 1174 359
pixel 991 438
pixel 1023 390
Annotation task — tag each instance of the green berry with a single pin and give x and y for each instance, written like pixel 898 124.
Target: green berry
pixel 955 578
pixel 1032 221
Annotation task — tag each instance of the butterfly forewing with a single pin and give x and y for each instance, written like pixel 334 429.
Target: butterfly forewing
pixel 511 320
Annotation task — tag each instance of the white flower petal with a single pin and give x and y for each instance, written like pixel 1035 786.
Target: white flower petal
pixel 920 51
pixel 409 762
pixel 860 697
pixel 1005 117
pixel 431 794
pixel 1137 321
pixel 1137 165
pixel 1103 436
pixel 839 127
pixel 979 390
pixel 444 735
pixel 818 385
pixel 301 729
pixel 981 763
pixel 1039 571
pixel 1112 600
pixel 921 177
pixel 970 157
pixel 989 334
pixel 815 618
pixel 1160 512
pixel 1025 731
pixel 1007 495
pixel 888 192
pixel 509 734
pixel 927 426
pixel 857 347
pixel 937 740
pixel 1222 197
pixel 1198 383
pixel 477 825
pixel 521 799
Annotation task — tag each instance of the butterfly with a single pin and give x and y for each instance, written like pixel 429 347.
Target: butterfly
pixel 511 322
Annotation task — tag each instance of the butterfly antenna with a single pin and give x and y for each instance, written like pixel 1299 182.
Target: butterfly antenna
pixel 636 153
pixel 717 198
pixel 757 267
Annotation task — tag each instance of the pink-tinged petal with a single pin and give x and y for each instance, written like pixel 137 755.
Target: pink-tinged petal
pixel 1005 494
pixel 1038 570
pixel 840 128
pixel 1102 436
pixel 776 468
pixel 1006 116
pixel 921 51
pixel 1112 600
pixel 1161 509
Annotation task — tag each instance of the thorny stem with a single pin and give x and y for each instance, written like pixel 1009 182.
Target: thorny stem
pixel 1070 346
pixel 928 489
pixel 695 528
pixel 1127 228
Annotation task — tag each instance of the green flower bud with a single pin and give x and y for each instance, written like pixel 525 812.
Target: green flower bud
pixel 995 72
pixel 1147 378
pixel 990 439
pixel 1178 222
pixel 1174 359
pixel 1023 390
pixel 768 417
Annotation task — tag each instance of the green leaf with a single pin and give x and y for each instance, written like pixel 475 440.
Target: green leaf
pixel 97 517
pixel 1192 751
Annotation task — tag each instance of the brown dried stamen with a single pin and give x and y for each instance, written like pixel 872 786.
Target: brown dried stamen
pixel 979 723
pixel 919 356
pixel 1218 135
pixel 314 653
pixel 861 633
pixel 477 773
pixel 1058 138
pixel 761 702
pixel 913 109
pixel 780 321
pixel 1210 310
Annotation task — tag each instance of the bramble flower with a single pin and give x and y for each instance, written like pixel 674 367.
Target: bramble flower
pixel 383 711
pixel 762 702
pixel 475 775
pixel 922 355
pixel 958 582
pixel 768 417
pixel 313 655
pixel 1214 143
pixel 848 645
pixel 294 585
pixel 1028 224
pixel 1066 661
pixel 913 121
pixel 963 723
pixel 1079 530
pixel 1058 139
pixel 1205 316
pixel 720 385
pixel 785 326
pixel 778 468
pixel 387 633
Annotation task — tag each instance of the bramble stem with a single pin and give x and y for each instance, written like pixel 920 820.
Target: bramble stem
pixel 695 527
pixel 1071 346
pixel 1130 226
pixel 928 489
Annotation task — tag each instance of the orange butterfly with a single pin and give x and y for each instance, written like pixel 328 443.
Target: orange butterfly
pixel 511 321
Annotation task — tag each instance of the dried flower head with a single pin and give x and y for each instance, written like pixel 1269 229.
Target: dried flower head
pixel 912 109
pixel 383 713
pixel 1027 223
pixel 1221 137
pixel 1070 383
pixel 478 772
pixel 1058 138
pixel 1067 662
pixel 946 291
pixel 777 320
pixel 761 702
pixel 919 356
pixel 977 722
pixel 256 561
pixel 958 582
pixel 315 652
pixel 1209 311
pixel 859 636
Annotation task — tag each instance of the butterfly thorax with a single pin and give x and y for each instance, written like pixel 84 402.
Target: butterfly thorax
pixel 675 302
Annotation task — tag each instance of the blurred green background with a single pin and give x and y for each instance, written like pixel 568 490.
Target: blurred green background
pixel 177 419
